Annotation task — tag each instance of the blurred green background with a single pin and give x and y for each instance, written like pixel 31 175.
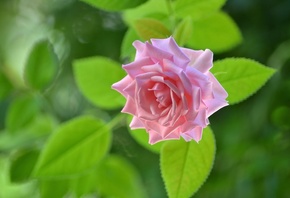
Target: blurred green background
pixel 253 137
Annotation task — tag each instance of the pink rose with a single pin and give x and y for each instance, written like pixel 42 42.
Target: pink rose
pixel 170 91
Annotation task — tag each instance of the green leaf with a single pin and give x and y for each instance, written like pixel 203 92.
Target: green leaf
pixel 145 10
pixel 84 139
pixel 95 76
pixel 241 77
pixel 217 32
pixel 21 112
pixel 41 65
pixel 127 49
pixel 22 164
pixel 197 8
pixel 114 5
pixel 183 31
pixel 118 178
pixel 148 28
pixel 186 165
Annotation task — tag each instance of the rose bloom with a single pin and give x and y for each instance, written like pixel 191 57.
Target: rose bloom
pixel 170 91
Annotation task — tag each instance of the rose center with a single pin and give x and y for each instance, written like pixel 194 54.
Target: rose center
pixel 162 94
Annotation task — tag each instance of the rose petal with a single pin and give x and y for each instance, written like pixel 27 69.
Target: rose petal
pixel 196 98
pixel 202 81
pixel 130 90
pixel 185 106
pixel 173 135
pixel 135 68
pixel 158 87
pixel 165 111
pixel 156 55
pixel 204 62
pixel 171 69
pixel 136 123
pixel 219 94
pixel 195 133
pixel 201 118
pixel 191 54
pixel 218 90
pixel 140 50
pixel 152 68
pixel 143 79
pixel 147 106
pixel 200 60
pixel 214 105
pixel 162 96
pixel 162 131
pixel 122 84
pixel 170 45
pixel 154 137
pixel 130 107
pixel 173 103
pixel 174 117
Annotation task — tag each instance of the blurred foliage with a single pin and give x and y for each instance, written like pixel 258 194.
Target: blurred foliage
pixel 252 138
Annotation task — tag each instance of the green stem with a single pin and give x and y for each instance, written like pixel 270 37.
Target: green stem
pixel 117 121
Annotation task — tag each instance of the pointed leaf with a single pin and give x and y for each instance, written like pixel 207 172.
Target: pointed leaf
pixel 114 5
pixel 197 8
pixel 217 32
pixel 241 77
pixel 148 28
pixel 186 165
pixel 95 76
pixel 84 139
pixel 183 31
pixel 41 65
pixel 118 178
